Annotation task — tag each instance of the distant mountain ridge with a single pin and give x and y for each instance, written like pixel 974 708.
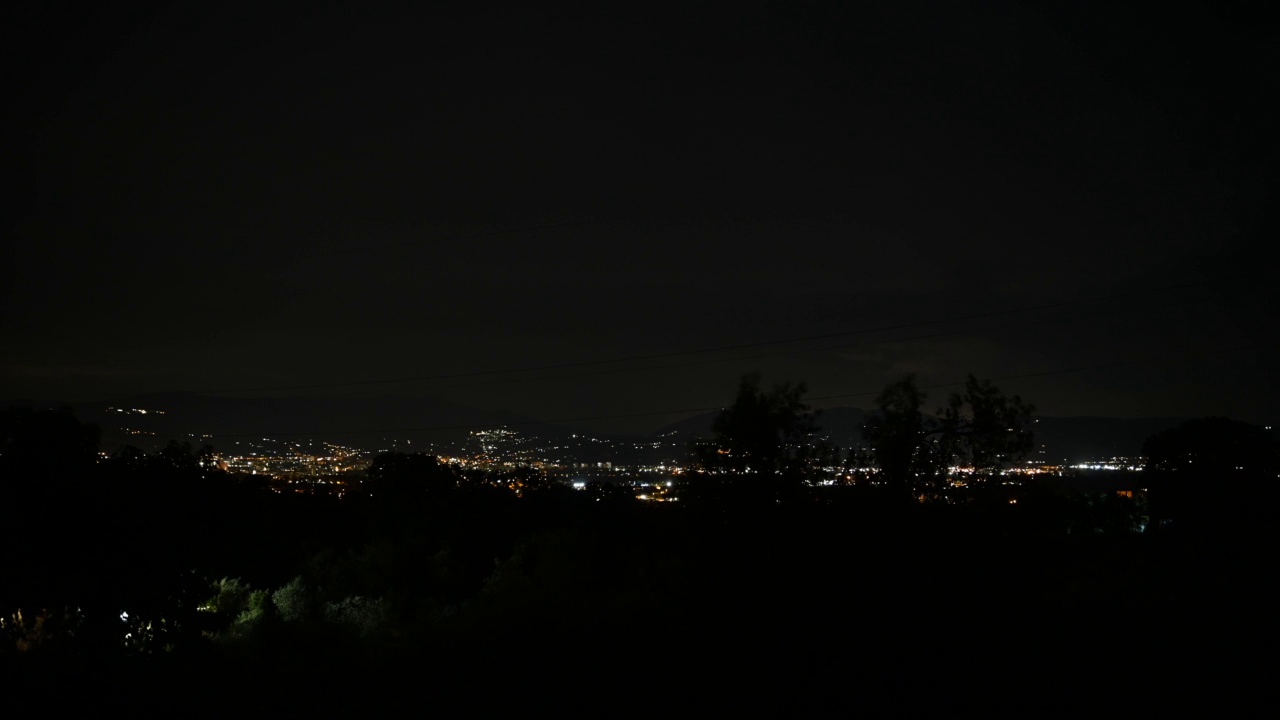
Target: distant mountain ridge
pixel 371 422
pixel 1078 439
pixel 359 422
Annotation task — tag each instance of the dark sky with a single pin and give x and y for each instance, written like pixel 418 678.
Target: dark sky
pixel 227 197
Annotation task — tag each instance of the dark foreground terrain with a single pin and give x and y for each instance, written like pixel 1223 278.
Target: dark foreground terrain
pixel 822 610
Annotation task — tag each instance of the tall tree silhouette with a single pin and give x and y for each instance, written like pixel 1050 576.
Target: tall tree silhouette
pixel 980 427
pixel 764 445
pixel 898 432
pixel 985 429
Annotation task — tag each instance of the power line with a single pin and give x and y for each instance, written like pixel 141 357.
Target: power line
pixel 796 351
pixel 454 239
pixel 1045 373
pixel 682 411
pixel 721 348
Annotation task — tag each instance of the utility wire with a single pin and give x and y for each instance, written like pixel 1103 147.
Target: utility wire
pixel 720 348
pixel 1045 373
pixel 794 351
pixel 365 249
pixel 682 411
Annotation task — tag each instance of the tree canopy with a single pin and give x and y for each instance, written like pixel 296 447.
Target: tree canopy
pixel 897 432
pixel 980 428
pixel 765 443
pixel 986 429
pixel 401 476
pixel 1211 472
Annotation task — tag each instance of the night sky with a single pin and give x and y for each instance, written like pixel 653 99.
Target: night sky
pixel 645 201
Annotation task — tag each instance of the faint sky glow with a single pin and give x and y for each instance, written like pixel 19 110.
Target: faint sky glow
pixel 295 196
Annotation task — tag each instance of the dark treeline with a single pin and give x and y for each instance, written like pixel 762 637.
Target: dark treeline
pixel 140 570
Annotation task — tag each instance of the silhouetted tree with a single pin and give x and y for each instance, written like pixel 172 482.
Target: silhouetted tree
pixel 899 435
pixel 52 504
pixel 127 459
pixel 985 429
pixel 765 444
pixel 981 428
pixel 45 444
pixel 397 475
pixel 1211 473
